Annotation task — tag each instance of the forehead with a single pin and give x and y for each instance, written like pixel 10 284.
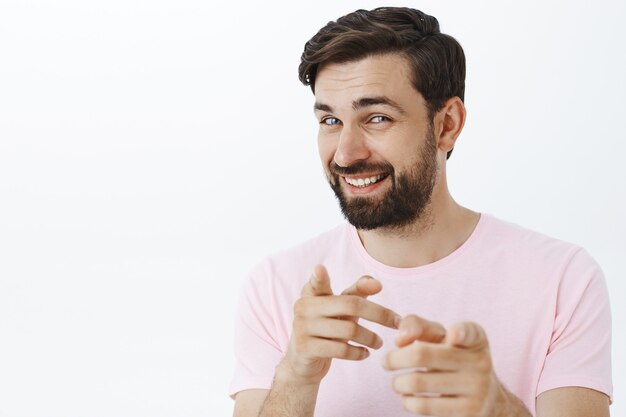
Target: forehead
pixel 386 75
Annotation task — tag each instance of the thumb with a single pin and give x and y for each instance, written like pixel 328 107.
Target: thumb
pixel 468 335
pixel 364 287
pixel 318 284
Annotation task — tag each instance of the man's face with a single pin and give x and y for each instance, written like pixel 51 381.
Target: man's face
pixel 376 141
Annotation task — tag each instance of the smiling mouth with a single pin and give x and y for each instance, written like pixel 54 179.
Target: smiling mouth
pixel 364 181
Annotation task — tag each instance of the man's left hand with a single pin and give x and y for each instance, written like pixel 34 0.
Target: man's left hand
pixel 451 372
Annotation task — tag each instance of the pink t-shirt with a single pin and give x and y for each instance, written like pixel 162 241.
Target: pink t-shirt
pixel 542 302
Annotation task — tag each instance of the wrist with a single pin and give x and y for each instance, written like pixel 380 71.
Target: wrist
pixel 508 405
pixel 285 375
pixel 289 396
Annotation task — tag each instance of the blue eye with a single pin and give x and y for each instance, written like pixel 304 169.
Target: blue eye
pixel 379 119
pixel 330 121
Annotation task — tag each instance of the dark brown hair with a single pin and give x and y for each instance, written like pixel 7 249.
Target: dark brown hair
pixel 437 60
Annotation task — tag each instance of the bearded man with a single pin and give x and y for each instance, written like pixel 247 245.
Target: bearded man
pixel 479 317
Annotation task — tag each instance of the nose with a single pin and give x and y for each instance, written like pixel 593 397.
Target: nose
pixel 351 148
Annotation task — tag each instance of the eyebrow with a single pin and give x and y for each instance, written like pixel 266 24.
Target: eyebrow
pixel 363 102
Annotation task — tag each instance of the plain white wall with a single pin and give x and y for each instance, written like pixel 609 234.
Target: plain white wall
pixel 152 151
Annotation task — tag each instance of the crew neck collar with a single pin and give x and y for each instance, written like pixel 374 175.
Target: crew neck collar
pixel 454 256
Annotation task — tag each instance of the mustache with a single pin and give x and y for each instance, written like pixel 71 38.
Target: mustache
pixel 384 168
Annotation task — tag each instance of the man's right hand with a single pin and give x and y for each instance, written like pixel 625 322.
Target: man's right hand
pixel 325 323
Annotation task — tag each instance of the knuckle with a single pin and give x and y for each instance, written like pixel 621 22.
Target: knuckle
pixel 419 355
pixel 417 383
pixel 352 330
pixel 411 383
pixel 388 316
pixel 374 339
pixel 299 327
pixel 300 342
pixel 483 364
pixel 344 351
pixel 354 304
pixel 299 307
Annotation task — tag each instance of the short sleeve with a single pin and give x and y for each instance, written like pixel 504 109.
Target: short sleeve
pixel 580 347
pixel 257 351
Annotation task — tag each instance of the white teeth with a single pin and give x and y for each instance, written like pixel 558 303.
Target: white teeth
pixel 362 182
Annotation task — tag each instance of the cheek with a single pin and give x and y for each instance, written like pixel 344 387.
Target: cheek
pixel 326 149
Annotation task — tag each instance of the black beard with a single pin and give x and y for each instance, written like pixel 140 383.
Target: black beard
pixel 402 204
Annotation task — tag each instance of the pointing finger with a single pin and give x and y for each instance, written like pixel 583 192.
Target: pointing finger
pixel 467 334
pixel 414 328
pixel 319 283
pixel 426 356
pixel 346 306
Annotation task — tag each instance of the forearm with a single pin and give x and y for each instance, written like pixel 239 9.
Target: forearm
pixel 288 398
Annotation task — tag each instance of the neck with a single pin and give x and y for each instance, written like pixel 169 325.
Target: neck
pixel 442 228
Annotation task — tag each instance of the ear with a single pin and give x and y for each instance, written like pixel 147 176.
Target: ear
pixel 448 123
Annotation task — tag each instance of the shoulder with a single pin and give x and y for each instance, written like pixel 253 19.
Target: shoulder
pixel 527 244
pixel 549 262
